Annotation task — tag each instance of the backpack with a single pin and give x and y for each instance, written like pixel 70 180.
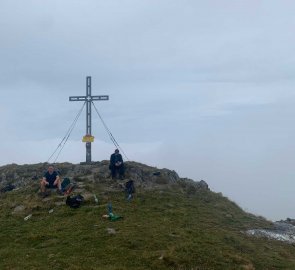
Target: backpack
pixel 66 186
pixel 9 187
pixel 75 201
pixel 129 187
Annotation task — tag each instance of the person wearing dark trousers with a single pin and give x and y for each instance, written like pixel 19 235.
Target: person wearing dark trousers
pixel 117 165
pixel 50 180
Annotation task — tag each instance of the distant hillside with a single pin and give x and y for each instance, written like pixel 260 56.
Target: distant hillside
pixel 170 223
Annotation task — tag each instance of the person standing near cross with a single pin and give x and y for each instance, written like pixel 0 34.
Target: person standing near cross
pixel 117 165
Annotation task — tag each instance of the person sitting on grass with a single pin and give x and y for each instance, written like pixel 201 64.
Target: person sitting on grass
pixel 50 180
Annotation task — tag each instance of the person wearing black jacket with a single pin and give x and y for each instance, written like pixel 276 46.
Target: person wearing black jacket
pixel 117 165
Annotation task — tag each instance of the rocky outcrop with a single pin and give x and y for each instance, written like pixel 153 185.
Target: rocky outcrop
pixel 144 176
pixel 281 231
pixel 288 221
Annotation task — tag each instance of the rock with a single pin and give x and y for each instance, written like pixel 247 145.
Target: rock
pixel 18 209
pixel 202 184
pixel 191 187
pixel 80 185
pixel 3 177
pixel 87 196
pixel 79 190
pixel 281 231
pixel 60 203
pixel 111 231
pixel 288 221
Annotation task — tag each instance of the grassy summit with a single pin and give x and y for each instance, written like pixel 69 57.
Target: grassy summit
pixel 169 224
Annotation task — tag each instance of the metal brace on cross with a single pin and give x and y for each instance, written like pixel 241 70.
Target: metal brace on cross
pixel 88 98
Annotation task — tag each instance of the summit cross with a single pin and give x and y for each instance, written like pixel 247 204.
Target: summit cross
pixel 88 99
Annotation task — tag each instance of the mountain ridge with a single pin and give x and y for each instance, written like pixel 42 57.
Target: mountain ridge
pixel 171 223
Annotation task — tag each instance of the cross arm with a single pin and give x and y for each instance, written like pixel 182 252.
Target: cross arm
pixel 99 97
pixel 77 98
pixel 86 98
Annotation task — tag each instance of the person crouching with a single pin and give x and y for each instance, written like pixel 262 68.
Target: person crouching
pixel 50 180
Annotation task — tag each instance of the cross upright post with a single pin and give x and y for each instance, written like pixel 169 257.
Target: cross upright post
pixel 88 99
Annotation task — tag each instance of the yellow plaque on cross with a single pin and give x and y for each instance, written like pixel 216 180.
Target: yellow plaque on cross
pixel 88 138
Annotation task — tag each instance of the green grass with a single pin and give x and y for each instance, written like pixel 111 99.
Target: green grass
pixel 160 230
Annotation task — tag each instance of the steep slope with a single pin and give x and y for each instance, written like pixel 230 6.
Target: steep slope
pixel 171 223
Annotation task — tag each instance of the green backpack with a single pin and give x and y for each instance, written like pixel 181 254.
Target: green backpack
pixel 67 186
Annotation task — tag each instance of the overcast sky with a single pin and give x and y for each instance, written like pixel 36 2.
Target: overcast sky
pixel 205 88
